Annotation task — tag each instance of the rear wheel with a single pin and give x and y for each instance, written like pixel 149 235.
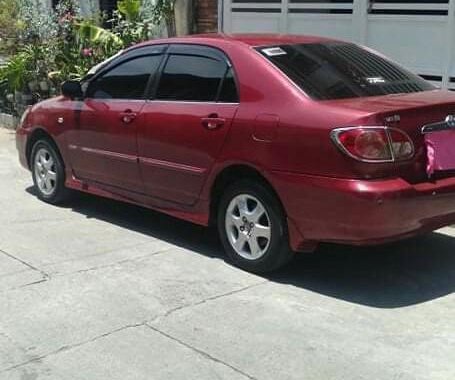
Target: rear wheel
pixel 252 227
pixel 48 173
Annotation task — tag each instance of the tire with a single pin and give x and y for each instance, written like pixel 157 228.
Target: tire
pixel 48 172
pixel 252 227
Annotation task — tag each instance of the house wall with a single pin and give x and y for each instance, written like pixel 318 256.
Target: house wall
pixel 419 34
pixel 206 16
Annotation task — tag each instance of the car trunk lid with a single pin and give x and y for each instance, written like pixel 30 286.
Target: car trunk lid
pixel 408 112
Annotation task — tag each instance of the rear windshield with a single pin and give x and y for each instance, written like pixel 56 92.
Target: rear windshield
pixel 339 70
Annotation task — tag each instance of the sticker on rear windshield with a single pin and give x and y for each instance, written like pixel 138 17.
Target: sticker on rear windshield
pixel 274 51
pixel 375 80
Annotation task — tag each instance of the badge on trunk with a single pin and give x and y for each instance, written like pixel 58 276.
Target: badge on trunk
pixel 448 123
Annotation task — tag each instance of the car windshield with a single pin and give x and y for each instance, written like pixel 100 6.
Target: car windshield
pixel 338 70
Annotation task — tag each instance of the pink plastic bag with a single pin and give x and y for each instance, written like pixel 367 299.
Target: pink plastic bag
pixel 440 151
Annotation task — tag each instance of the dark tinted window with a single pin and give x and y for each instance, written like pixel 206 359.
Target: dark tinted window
pixel 228 91
pixel 341 70
pixel 191 78
pixel 125 81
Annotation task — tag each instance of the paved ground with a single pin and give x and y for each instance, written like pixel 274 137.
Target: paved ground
pixel 102 290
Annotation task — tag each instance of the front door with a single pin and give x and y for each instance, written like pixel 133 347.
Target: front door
pixel 104 146
pixel 186 123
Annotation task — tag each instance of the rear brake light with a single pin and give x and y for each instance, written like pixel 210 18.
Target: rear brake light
pixel 402 146
pixel 374 144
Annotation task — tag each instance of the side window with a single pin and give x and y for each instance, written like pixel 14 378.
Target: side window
pixel 125 81
pixel 228 91
pixel 191 78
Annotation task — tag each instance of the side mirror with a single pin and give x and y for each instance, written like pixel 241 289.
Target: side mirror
pixel 72 89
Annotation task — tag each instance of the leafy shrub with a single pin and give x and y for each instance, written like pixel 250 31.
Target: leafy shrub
pixel 53 46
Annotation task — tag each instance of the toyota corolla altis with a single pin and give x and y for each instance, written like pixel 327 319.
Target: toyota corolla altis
pixel 281 141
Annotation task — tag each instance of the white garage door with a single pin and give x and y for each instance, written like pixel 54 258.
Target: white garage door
pixel 420 34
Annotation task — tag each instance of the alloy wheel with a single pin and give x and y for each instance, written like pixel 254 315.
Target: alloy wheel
pixel 248 226
pixel 45 172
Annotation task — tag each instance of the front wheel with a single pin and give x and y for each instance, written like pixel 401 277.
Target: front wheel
pixel 252 227
pixel 48 172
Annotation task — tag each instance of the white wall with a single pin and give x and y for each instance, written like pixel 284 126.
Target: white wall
pixel 419 35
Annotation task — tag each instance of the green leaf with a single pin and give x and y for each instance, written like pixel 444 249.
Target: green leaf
pixel 95 34
pixel 129 8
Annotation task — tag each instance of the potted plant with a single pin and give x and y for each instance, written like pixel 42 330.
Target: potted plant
pixel 33 85
pixel 44 85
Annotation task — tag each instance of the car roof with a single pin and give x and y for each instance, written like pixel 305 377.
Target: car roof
pixel 252 39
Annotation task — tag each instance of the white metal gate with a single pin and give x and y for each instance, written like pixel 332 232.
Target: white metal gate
pixel 420 34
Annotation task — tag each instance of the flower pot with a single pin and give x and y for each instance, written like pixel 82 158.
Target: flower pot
pixel 44 86
pixel 18 96
pixel 33 85
pixel 27 99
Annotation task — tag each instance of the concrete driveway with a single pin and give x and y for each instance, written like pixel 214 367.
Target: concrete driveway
pixel 103 290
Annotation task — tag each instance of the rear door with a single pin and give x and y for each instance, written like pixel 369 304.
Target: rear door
pixel 103 146
pixel 186 122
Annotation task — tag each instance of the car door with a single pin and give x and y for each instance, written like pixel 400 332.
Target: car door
pixel 186 122
pixel 103 147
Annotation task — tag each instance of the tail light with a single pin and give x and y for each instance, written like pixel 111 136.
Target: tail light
pixel 374 144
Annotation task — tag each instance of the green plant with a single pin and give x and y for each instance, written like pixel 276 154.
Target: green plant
pixel 37 23
pixel 134 21
pixel 60 44
pixel 163 11
pixel 17 71
pixel 87 32
pixel 9 10
pixel 130 9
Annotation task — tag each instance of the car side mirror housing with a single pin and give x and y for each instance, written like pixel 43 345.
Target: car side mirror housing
pixel 72 89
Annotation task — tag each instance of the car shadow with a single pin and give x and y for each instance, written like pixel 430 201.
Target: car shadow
pixel 388 276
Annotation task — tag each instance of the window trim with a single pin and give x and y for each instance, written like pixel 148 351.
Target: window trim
pixel 154 80
pixel 124 56
pixel 151 96
pixel 112 67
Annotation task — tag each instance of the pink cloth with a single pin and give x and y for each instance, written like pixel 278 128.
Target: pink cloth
pixel 440 151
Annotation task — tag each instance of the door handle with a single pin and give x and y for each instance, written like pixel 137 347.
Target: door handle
pixel 213 122
pixel 127 116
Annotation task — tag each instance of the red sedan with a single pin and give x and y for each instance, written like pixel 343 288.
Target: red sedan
pixel 282 141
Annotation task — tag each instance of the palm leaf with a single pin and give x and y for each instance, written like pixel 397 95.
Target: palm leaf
pixel 129 8
pixel 95 34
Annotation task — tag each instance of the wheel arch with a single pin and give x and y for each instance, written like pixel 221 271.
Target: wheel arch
pixel 228 176
pixel 39 133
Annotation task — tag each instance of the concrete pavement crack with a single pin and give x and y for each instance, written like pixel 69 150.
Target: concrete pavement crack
pixel 212 298
pixel 43 273
pixel 120 262
pixel 24 285
pixel 201 352
pixel 70 347
pixel 147 324
pixel 100 253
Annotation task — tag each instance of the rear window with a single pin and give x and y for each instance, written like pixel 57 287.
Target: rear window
pixel 339 70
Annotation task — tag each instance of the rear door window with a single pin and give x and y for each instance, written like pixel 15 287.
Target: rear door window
pixel 228 91
pixel 337 70
pixel 193 78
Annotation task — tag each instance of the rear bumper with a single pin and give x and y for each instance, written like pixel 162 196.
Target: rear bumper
pixel 362 212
